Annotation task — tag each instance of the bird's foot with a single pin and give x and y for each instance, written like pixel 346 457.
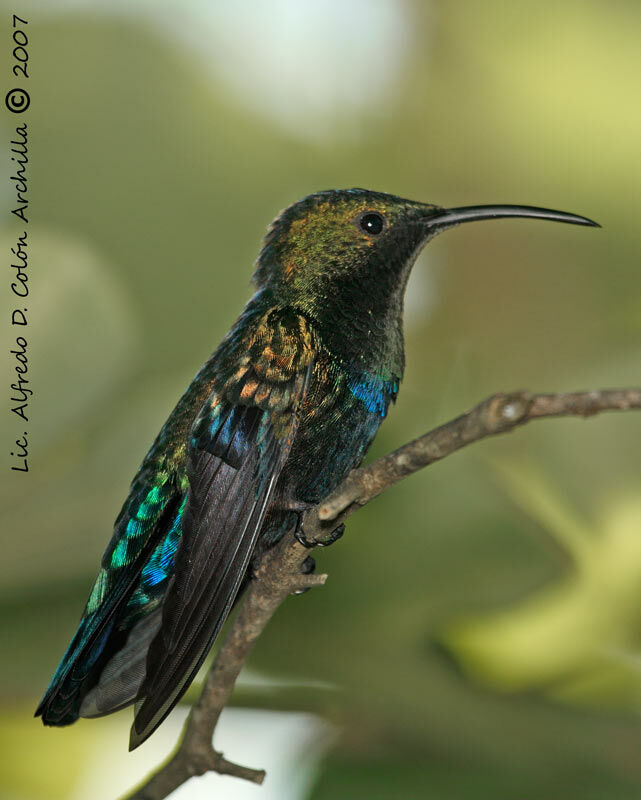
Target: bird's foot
pixel 307 568
pixel 334 536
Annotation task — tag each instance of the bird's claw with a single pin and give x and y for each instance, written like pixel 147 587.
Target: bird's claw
pixel 334 536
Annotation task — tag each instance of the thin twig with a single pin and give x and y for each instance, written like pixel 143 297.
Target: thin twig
pixel 279 573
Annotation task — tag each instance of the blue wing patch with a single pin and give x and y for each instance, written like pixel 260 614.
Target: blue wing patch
pixel 374 391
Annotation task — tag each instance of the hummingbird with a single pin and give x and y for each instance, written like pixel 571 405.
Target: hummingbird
pixel 281 412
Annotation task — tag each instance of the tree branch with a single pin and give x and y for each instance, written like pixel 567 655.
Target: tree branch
pixel 279 573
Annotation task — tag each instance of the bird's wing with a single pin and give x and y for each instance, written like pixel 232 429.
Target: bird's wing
pixel 142 523
pixel 238 446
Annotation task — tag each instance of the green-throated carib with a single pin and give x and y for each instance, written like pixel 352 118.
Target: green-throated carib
pixel 285 407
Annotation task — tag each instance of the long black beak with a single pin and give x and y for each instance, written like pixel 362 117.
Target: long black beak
pixel 453 216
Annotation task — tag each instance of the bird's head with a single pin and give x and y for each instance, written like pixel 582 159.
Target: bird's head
pixel 352 250
pixel 341 236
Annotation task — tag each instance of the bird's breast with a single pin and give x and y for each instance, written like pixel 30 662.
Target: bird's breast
pixel 342 412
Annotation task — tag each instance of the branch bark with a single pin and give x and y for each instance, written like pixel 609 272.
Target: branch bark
pixel 279 573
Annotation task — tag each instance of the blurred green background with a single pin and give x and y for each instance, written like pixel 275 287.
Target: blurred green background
pixel 480 634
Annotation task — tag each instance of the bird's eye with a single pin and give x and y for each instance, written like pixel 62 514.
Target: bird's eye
pixel 371 223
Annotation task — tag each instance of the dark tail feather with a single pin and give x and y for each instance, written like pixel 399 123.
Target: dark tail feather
pixel 122 677
pixel 62 700
pixel 98 639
